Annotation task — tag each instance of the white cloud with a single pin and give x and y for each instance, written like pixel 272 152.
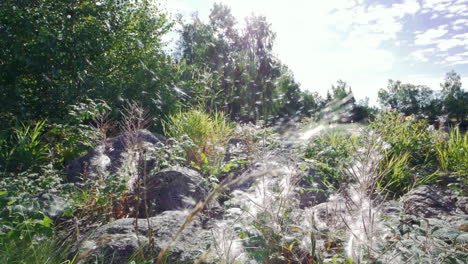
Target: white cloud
pixel 447 44
pixel 422 55
pixel 457 9
pixel 457 59
pixel 437 5
pixel 459 24
pixel 431 35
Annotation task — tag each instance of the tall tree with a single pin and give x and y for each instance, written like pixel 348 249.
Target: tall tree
pixel 408 98
pixel 56 53
pixel 234 70
pixel 454 98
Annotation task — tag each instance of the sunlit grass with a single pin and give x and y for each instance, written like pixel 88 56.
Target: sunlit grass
pixel 209 133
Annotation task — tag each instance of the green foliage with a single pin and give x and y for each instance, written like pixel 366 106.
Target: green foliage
pixel 82 129
pixel 26 149
pixel 408 152
pixel 46 250
pixel 454 98
pixel 427 241
pixel 409 99
pixel 420 100
pixel 452 155
pixel 330 153
pixel 209 134
pixel 28 202
pixel 102 201
pixel 58 53
pixel 452 152
pixel 235 71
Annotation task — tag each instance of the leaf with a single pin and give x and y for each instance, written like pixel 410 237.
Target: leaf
pixel 243 235
pixel 46 221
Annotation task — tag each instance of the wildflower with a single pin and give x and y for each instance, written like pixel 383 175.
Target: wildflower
pixel 408 118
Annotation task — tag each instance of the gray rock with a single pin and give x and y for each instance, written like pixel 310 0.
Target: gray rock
pixel 108 157
pixel 118 241
pixel 174 188
pixel 427 201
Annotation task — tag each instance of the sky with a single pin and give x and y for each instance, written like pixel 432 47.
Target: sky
pixel 363 42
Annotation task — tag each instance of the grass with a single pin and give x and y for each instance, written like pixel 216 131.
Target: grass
pixel 408 149
pixel 452 155
pixel 209 134
pixel 27 149
pixel 452 152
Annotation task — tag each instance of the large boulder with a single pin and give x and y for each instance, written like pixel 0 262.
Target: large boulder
pixel 117 155
pixel 123 239
pixel 428 201
pixel 174 188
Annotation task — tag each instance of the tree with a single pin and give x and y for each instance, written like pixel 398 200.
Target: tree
pixel 409 99
pixel 234 70
pixel 454 98
pixel 57 53
pixel 339 91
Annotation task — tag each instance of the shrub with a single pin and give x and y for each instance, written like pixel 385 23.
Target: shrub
pixel 209 134
pixel 29 201
pixel 84 126
pixel 330 153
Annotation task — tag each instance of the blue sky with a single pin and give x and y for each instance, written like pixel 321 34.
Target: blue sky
pixel 363 42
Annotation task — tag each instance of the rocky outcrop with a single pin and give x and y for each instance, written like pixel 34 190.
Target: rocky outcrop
pixel 427 201
pixel 175 188
pixel 113 156
pixel 121 240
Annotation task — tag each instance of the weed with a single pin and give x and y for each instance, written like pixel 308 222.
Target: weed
pixel 330 153
pixel 209 134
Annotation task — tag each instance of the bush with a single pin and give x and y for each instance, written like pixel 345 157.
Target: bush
pixel 84 126
pixel 29 201
pixel 209 134
pixel 330 153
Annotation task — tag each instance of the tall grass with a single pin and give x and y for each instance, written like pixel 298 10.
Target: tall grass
pixel 26 148
pixel 408 152
pixel 452 155
pixel 209 134
pixel 452 152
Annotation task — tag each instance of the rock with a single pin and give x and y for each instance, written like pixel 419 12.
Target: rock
pixel 117 242
pixel 174 188
pixel 111 157
pixel 462 204
pixel 427 201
